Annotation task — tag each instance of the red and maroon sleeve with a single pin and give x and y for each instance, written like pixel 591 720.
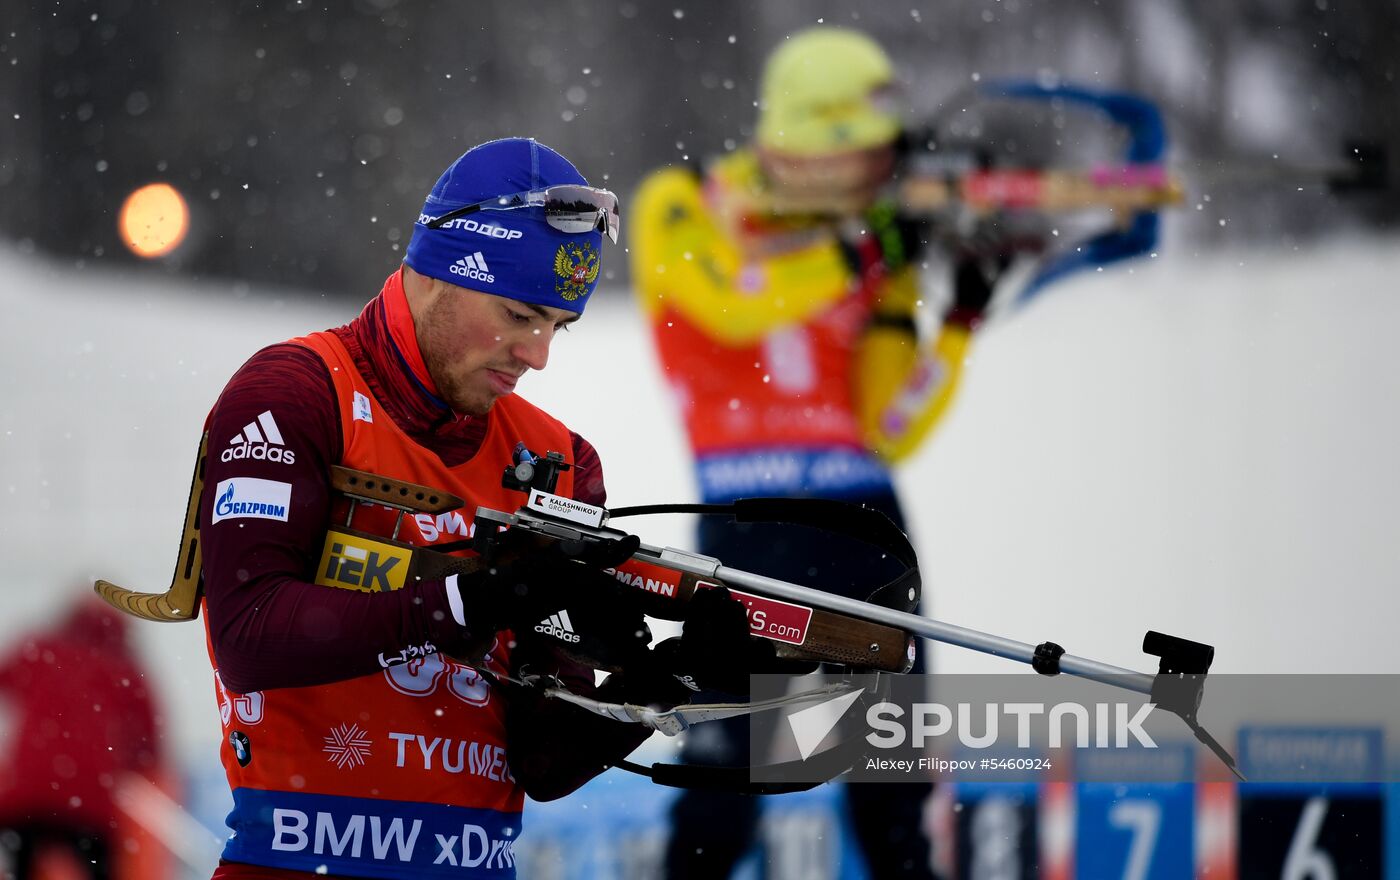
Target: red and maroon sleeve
pixel 588 473
pixel 273 435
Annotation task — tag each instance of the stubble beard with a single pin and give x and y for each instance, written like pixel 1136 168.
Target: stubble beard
pixel 459 394
pixel 454 390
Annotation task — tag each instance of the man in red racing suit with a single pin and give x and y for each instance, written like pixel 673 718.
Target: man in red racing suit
pixel 353 743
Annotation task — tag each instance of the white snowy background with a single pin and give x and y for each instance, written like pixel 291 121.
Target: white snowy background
pixel 1201 443
pixel 1198 443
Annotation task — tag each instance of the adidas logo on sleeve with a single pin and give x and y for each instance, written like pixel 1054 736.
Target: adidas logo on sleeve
pixel 473 266
pixel 559 626
pixel 260 440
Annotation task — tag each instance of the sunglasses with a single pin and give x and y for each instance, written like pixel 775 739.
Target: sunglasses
pixel 568 208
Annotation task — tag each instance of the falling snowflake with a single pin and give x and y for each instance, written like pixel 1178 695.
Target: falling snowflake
pixel 347 746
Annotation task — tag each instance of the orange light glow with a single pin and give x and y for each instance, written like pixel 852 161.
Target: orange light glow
pixel 154 220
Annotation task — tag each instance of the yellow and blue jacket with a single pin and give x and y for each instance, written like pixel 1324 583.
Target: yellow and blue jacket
pixel 796 374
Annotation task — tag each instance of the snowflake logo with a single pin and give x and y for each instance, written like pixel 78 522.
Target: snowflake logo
pixel 347 746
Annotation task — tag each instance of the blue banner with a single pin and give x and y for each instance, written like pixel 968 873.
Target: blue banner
pixel 826 473
pixel 367 837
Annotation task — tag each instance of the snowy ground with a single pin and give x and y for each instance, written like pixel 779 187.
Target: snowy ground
pixel 1203 445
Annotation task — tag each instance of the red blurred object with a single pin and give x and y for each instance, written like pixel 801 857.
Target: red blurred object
pixel 83 718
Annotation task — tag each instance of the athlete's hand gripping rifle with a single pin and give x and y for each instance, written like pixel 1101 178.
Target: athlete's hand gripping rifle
pixel 667 578
pixel 805 623
pixel 1177 687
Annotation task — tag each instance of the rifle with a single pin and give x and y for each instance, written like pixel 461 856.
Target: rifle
pixel 956 183
pixel 876 635
pixel 1178 686
pixel 666 578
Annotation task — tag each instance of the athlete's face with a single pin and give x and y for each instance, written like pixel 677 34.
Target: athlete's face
pixel 840 179
pixel 477 345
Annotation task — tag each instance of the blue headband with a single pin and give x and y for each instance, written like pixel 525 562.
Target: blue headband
pixel 514 253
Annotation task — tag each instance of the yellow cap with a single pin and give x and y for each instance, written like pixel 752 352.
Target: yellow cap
pixel 818 94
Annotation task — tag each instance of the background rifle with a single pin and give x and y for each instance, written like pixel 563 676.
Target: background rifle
pixel 958 182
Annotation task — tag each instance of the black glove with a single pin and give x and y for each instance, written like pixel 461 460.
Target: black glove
pixel 542 593
pixel 902 239
pixel 974 280
pixel 521 547
pixel 583 612
pixel 892 240
pixel 715 651
pixel 979 259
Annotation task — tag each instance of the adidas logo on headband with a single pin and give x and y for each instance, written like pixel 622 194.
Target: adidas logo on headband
pixel 533 201
pixel 473 266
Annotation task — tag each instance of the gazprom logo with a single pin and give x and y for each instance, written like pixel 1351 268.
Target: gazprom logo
pixel 251 498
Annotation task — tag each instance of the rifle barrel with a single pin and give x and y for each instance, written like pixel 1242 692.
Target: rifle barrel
pixel 935 630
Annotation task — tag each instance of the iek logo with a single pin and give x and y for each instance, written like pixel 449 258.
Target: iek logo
pixel 362 568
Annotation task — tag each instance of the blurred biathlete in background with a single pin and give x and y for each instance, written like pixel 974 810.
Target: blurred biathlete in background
pixel 782 291
pixel 84 731
pixel 354 745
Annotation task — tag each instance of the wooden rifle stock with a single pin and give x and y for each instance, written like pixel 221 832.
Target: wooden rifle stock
pixel 181 600
pixel 825 636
